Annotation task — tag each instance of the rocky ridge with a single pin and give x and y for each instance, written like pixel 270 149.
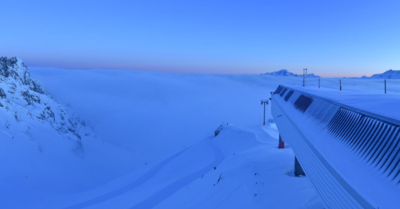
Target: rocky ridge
pixel 24 103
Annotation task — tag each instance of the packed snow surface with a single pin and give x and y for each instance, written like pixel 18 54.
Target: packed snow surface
pixel 230 174
pixel 151 143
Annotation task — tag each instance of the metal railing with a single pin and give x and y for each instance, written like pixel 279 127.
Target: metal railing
pixel 373 85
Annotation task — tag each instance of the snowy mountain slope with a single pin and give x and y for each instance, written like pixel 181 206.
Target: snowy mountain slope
pixel 46 151
pixel 390 74
pixel 231 170
pixel 285 72
pixel 24 102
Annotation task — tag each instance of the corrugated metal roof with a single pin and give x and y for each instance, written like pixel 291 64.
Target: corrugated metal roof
pixel 342 149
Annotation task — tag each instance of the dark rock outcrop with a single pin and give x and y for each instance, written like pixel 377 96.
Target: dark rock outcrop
pixel 2 94
pixel 17 89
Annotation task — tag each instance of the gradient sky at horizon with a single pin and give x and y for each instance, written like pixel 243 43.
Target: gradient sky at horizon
pixel 330 38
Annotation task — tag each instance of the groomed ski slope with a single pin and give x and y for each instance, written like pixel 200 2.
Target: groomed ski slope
pixel 236 169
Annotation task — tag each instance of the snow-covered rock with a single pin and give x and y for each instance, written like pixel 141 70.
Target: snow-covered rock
pixel 390 74
pixel 24 102
pixel 285 72
pixel 45 149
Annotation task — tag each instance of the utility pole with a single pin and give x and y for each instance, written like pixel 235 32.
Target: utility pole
pixel 264 102
pixel 319 83
pixel 304 76
pixel 385 86
pixel 340 84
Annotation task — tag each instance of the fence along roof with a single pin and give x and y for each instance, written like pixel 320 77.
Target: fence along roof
pixel 381 106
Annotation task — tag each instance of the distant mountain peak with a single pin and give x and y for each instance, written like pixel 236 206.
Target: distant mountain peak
pixel 389 74
pixel 285 72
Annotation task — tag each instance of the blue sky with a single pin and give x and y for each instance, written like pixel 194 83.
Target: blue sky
pixel 330 38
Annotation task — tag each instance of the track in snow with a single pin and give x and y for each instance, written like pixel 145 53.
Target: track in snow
pixel 163 193
pixel 178 184
pixel 128 187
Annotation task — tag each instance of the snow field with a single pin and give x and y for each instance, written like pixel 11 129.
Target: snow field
pixel 252 176
pixel 232 170
pixel 152 116
pixel 141 119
